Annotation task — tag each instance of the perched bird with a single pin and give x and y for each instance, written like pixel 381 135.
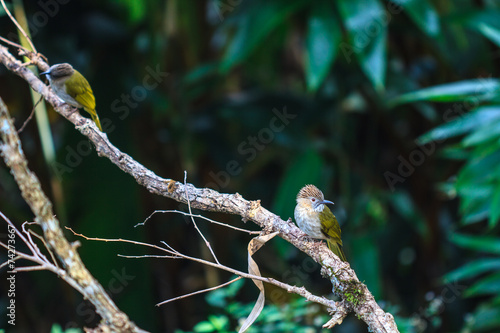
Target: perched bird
pixel 70 86
pixel 316 219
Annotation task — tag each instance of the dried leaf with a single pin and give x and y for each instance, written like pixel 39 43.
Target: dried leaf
pixel 254 245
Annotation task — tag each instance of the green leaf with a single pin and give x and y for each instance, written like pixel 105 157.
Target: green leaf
pixel 203 327
pixel 495 208
pixel 462 124
pixel 478 243
pixel 365 23
pixel 485 286
pixel 258 18
pixel 306 169
pixel 490 32
pixel 486 317
pixel 219 322
pixel 366 261
pixel 475 212
pixel 451 92
pixel 474 18
pixel 479 171
pixel 322 40
pixel 423 14
pixel 487 133
pixel 472 269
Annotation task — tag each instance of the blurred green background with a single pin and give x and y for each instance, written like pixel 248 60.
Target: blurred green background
pixel 390 107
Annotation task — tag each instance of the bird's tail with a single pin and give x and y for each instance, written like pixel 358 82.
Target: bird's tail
pixel 337 249
pixel 95 118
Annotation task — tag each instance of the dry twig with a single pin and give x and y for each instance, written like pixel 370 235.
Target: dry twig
pixel 174 254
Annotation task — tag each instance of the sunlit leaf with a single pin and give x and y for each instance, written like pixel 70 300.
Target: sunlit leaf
pixel 451 92
pixel 478 243
pixel 203 326
pixel 472 269
pixel 322 41
pixel 458 125
pixel 488 132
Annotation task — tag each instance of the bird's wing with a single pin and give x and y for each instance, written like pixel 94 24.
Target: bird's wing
pixel 331 228
pixel 79 88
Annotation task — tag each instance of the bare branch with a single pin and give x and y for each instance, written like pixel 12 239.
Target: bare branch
pixel 343 278
pixel 79 277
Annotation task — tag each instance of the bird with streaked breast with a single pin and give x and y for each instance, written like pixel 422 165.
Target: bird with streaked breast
pixel 317 220
pixel 73 88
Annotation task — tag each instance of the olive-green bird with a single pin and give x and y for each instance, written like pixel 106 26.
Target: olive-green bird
pixel 70 86
pixel 317 220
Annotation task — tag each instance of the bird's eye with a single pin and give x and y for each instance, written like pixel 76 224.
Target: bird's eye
pixel 313 199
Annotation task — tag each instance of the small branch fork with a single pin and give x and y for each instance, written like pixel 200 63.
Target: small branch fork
pixel 36 256
pixel 343 278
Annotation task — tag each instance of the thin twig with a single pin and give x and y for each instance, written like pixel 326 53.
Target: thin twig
pixel 33 49
pixel 54 261
pixel 194 223
pixel 5 40
pixel 169 247
pixel 250 232
pixel 31 244
pixel 30 116
pixel 154 256
pixel 289 288
pixel 200 291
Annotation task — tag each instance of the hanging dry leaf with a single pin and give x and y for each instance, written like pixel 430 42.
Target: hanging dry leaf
pixel 253 246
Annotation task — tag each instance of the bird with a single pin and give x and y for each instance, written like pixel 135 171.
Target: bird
pixel 73 88
pixel 317 220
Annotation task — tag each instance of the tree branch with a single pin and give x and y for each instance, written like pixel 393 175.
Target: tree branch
pixel 79 277
pixel 343 278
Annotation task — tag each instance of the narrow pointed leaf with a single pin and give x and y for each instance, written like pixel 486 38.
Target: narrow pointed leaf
pixel 367 31
pixel 460 123
pixel 477 243
pixel 423 14
pixel 322 41
pixel 490 32
pixel 489 285
pixel 472 269
pixel 451 92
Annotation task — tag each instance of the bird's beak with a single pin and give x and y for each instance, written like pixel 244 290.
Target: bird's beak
pixel 46 72
pixel 324 202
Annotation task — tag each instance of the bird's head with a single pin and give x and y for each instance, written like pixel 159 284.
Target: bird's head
pixel 310 197
pixel 60 72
